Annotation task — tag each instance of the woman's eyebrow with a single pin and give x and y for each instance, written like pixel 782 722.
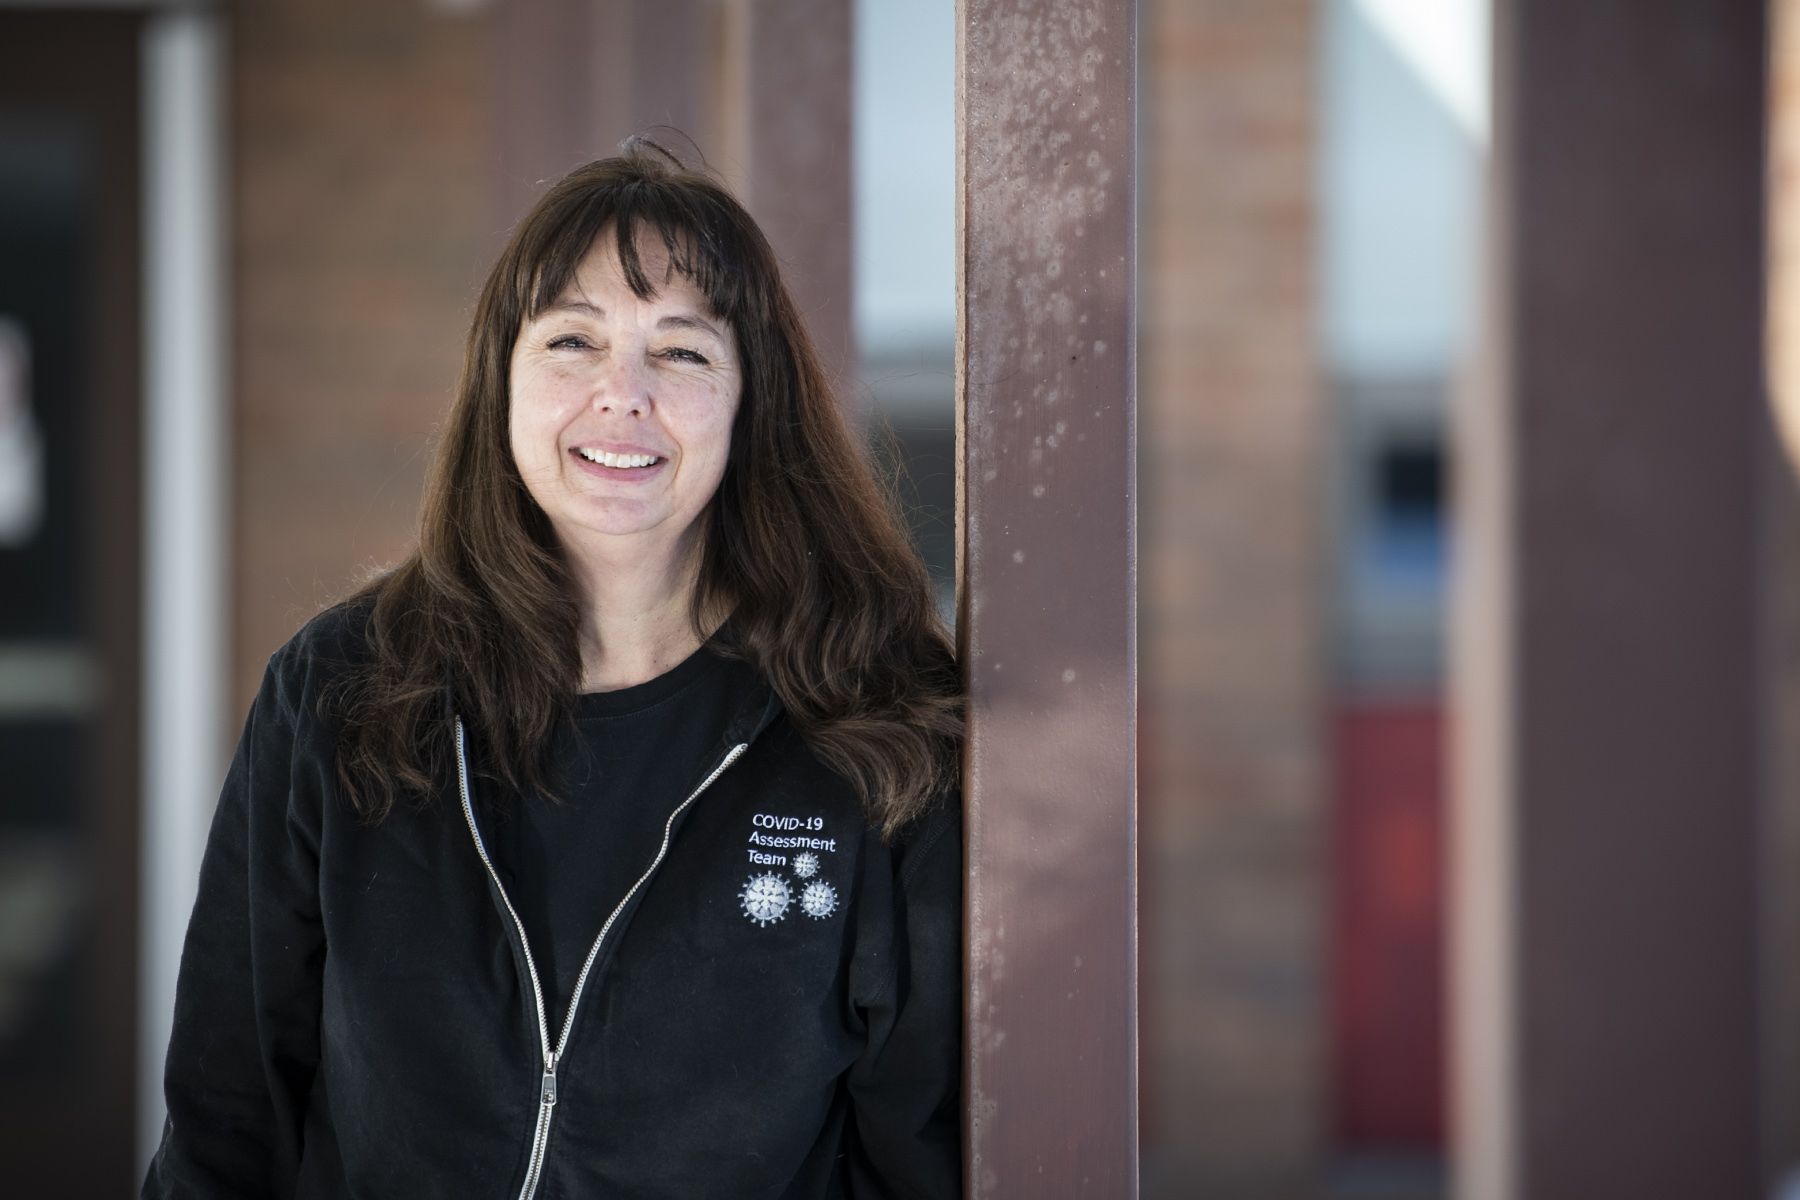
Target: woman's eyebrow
pixel 672 321
pixel 689 321
pixel 568 306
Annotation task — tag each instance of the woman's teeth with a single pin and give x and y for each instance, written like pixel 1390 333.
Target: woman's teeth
pixel 618 460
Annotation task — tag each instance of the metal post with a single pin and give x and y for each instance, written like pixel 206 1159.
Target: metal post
pixel 762 88
pixel 1046 579
pixel 786 113
pixel 1606 789
pixel 575 78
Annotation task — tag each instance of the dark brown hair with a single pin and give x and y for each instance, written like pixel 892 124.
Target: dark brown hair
pixel 800 544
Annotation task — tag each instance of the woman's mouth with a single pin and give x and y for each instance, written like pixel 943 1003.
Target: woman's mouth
pixel 618 466
pixel 618 461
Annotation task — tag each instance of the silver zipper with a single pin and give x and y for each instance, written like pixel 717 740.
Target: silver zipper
pixel 540 1136
pixel 542 1133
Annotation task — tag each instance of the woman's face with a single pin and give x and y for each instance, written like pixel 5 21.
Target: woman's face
pixel 622 408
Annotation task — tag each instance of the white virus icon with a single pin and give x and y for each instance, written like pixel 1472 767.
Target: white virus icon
pixel 818 900
pixel 765 898
pixel 806 864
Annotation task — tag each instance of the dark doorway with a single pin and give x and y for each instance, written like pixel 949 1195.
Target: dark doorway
pixel 69 599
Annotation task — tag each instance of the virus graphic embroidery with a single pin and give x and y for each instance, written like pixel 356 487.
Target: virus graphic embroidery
pixel 765 898
pixel 806 864
pixel 818 900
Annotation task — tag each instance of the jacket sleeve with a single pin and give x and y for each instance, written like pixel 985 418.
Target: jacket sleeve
pixel 906 1087
pixel 245 1041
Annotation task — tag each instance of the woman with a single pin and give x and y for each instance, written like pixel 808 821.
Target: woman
pixel 610 844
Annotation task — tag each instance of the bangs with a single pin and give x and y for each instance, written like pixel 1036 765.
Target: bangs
pixel 703 244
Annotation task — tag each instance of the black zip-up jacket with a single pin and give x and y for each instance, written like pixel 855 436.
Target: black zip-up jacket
pixel 357 1015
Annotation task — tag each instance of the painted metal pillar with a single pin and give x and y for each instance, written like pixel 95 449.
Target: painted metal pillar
pixel 1606 667
pixel 761 87
pixel 575 78
pixel 1046 590
pixel 1780 626
pixel 785 107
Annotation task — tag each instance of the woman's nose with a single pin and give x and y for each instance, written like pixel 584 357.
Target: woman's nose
pixel 624 387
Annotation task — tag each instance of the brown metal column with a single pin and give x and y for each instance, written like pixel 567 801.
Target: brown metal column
pixel 559 87
pixel 762 88
pixel 785 109
pixel 1607 721
pixel 1781 610
pixel 576 78
pixel 1046 160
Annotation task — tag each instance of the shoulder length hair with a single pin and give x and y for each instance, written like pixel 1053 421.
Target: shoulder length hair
pixel 800 544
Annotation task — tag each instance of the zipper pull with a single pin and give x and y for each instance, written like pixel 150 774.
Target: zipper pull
pixel 550 1080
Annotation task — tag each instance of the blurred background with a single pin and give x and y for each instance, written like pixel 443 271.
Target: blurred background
pixel 1453 434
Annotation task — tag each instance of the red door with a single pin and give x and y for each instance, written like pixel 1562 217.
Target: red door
pixel 1388 928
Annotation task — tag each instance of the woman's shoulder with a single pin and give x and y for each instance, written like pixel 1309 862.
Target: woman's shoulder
pixel 338 631
pixel 331 644
pixel 937 828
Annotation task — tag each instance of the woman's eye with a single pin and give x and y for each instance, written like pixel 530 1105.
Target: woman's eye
pixel 686 355
pixel 568 341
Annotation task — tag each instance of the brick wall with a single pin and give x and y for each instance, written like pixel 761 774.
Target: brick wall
pixel 363 197
pixel 1232 593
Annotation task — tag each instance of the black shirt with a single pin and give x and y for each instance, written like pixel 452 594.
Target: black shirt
pixel 624 761
pixel 352 1019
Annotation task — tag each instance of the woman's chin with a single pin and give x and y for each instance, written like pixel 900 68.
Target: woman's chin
pixel 635 531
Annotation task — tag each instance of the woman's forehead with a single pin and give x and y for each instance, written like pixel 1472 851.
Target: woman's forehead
pixel 664 278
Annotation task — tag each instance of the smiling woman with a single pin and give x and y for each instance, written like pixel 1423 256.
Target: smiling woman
pixel 658 606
